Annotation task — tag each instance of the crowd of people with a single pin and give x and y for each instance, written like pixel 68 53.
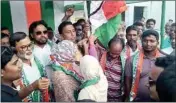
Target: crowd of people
pixel 75 67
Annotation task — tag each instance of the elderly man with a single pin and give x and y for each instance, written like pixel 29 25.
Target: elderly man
pixel 31 65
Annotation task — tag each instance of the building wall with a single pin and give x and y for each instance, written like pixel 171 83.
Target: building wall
pixel 152 10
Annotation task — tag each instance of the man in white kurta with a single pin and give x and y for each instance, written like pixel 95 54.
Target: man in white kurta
pixel 42 46
pixel 43 54
pixel 29 71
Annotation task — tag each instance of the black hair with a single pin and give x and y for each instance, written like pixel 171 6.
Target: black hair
pixel 16 37
pixel 164 61
pixel 81 20
pixel 150 32
pixel 151 20
pixel 76 24
pixel 173 24
pixel 117 40
pixel 4 36
pixel 4 28
pixel 165 84
pixel 6 55
pixel 49 28
pixel 34 25
pixel 143 17
pixel 62 25
pixel 86 100
pixel 138 24
pixel 170 20
pixel 167 25
pixel 129 28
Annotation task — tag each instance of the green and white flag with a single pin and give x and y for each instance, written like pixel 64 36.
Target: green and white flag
pixel 77 5
pixel 18 15
pixel 105 17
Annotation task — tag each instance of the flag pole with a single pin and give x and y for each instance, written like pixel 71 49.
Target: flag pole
pixel 86 15
pixel 162 23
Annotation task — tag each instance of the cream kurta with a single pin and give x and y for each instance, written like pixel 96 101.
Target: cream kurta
pixel 32 72
pixel 43 54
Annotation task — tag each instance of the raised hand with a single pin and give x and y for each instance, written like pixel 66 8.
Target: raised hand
pixel 92 39
pixel 69 12
pixel 86 29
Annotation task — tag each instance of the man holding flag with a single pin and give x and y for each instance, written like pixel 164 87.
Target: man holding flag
pixel 105 19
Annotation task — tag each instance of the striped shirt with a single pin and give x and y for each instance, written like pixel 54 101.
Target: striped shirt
pixel 113 74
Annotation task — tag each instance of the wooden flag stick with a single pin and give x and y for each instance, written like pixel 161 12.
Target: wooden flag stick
pixel 86 15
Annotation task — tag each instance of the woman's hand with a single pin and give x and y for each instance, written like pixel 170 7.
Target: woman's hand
pixel 86 29
pixel 92 39
pixel 86 47
pixel 80 43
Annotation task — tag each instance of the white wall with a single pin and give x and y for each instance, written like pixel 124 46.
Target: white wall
pixel 170 10
pixel 59 13
pixel 155 13
pixel 77 15
pixel 129 14
pixel 152 10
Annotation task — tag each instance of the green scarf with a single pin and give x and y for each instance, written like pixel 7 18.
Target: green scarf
pixel 50 43
pixel 36 95
pixel 86 84
pixel 68 72
pixel 123 61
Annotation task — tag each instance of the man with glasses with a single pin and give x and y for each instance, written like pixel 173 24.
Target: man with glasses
pixel 32 69
pixel 38 34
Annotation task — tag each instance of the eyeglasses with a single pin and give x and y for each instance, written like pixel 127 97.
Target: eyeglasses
pixel 26 47
pixel 40 32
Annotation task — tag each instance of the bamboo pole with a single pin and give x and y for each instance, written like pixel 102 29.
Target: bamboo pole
pixel 162 23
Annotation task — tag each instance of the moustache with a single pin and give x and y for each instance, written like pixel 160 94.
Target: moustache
pixel 132 42
pixel 28 52
pixel 43 38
